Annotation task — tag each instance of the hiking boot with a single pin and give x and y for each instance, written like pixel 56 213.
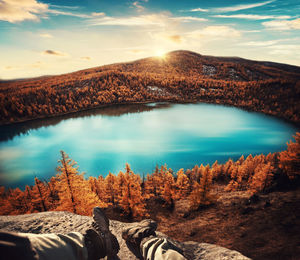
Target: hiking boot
pixel 99 241
pixel 139 230
pixel 95 245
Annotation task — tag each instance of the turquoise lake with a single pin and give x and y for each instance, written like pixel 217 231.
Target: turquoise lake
pixel 146 135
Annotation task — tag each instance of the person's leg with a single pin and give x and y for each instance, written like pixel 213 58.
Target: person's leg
pixel 96 243
pixel 58 246
pixel 108 240
pixel 142 237
pixel 13 246
pixel 160 248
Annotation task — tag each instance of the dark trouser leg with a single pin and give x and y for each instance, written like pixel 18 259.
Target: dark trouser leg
pixel 14 246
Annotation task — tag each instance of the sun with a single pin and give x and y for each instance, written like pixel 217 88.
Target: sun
pixel 160 54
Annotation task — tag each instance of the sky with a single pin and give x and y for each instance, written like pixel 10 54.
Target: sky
pixel 60 36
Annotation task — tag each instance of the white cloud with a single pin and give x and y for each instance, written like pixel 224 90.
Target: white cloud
pixel 251 31
pixel 285 49
pixel 260 43
pixel 58 12
pixel 241 7
pixel 217 31
pixel 19 10
pixel 199 10
pixel 253 16
pixel 94 14
pixel 65 6
pixel 188 19
pixel 142 20
pixel 160 20
pixel 46 35
pixel 283 25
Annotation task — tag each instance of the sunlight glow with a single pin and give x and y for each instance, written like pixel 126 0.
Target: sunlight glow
pixel 160 54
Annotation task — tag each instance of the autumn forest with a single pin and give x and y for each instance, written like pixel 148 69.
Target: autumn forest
pixel 181 76
pixel 131 194
pixel 237 203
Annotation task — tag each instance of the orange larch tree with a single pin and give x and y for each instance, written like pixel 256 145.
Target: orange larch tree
pixel 289 160
pixel 182 185
pixel 262 178
pixel 132 200
pixel 200 194
pixel 74 192
pixel 39 196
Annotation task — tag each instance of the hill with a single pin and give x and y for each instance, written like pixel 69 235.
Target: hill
pixel 179 76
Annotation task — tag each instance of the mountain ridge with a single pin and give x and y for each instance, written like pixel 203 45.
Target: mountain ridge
pixel 207 58
pixel 178 76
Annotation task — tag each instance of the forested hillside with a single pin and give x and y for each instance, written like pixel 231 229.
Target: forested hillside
pixel 180 76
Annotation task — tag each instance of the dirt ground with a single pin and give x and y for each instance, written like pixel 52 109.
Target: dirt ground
pixel 266 226
pixel 260 227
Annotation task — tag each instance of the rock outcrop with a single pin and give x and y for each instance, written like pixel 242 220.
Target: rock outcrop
pixel 64 222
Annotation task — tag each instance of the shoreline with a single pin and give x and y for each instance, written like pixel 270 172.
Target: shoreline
pixel 170 101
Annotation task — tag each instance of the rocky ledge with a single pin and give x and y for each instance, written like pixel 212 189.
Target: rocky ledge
pixel 64 222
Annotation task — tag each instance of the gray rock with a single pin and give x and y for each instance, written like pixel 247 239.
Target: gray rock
pixel 64 222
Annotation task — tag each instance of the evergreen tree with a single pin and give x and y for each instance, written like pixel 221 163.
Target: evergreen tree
pixel 74 192
pixel 109 187
pixel 168 191
pixel 39 195
pixel 201 191
pixel 182 185
pixel 289 160
pixel 262 178
pixel 132 200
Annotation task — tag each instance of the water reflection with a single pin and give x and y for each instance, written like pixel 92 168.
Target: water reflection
pixel 8 132
pixel 103 140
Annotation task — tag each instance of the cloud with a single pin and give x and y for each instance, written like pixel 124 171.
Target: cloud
pixel 19 10
pixel 285 49
pixel 283 25
pixel 94 14
pixel 65 6
pixel 216 31
pixel 160 20
pixel 260 43
pixel 129 21
pixel 253 16
pixel 35 65
pixel 55 53
pixel 58 12
pixel 11 67
pixel 241 7
pixel 85 58
pixel 138 6
pixel 175 38
pixel 199 10
pixel 136 51
pixel 45 35
pixel 188 19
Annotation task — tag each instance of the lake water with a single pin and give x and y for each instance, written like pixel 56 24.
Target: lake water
pixel 146 135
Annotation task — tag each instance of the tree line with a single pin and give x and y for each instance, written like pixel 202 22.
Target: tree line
pixel 179 79
pixel 131 194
